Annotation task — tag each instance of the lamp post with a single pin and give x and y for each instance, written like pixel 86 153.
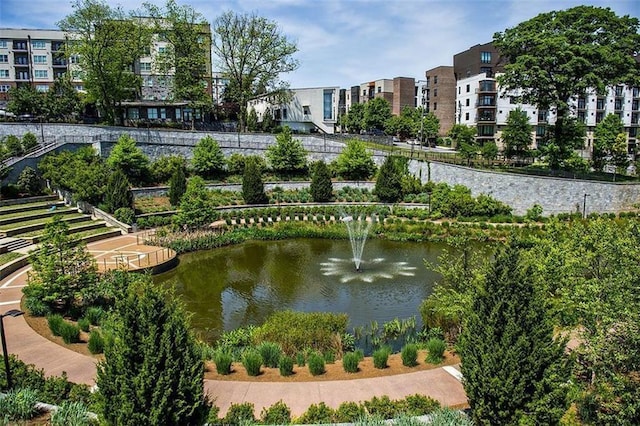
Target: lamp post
pixel 7 369
pixel 584 206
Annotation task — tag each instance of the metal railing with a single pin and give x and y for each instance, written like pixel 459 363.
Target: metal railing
pixel 137 261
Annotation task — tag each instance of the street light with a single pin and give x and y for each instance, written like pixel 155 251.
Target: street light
pixel 584 206
pixel 11 313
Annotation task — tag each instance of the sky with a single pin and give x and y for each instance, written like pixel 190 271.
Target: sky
pixel 348 42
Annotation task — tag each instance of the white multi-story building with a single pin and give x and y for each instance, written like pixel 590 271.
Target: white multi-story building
pixel 310 109
pixel 481 103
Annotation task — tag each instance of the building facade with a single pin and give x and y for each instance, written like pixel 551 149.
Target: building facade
pixel 34 57
pixel 439 95
pixel 310 110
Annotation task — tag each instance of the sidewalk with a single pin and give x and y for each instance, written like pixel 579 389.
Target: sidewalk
pixel 32 348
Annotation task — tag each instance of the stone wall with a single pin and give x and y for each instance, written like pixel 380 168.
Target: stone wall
pixel 521 192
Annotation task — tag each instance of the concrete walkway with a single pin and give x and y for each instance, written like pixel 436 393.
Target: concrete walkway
pixel 32 348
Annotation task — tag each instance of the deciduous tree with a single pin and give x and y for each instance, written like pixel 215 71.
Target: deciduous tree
pixel 127 157
pixel 287 157
pixel 252 52
pixel 605 136
pixel 354 119
pixel 376 113
pixel 355 162
pixel 208 159
pixel 560 54
pixel 516 135
pixel 195 210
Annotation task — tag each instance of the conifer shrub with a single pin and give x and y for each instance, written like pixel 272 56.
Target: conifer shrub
pixel 350 362
pixel 239 414
pixel 435 348
pixel 270 353
pixel 96 342
pixel 409 355
pixel 70 333
pixel 349 412
pixel 223 361
pixel 317 414
pixel 277 414
pixel 316 364
pixel 286 365
pixel 55 322
pixel 382 407
pixel 380 358
pixel 419 405
pixel 252 362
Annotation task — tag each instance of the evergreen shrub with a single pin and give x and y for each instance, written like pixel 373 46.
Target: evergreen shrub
pixel 435 348
pixel 277 414
pixel 349 412
pixel 316 364
pixel 56 323
pixel 96 342
pixel 317 414
pixel 409 355
pixel 239 414
pixel 223 361
pixel 84 324
pixel 380 358
pixel 286 366
pixel 270 353
pixel 350 362
pixel 70 333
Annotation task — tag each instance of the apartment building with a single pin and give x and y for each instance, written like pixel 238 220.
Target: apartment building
pixel 399 92
pixel 439 96
pixel 309 110
pixel 33 57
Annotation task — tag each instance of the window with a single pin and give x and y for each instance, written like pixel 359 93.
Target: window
pixel 38 44
pixel 435 79
pixel 39 59
pixel 635 104
pixel 163 113
pixel 133 113
pixel 619 90
pixel 364 93
pixel 540 130
pixel 467 102
pixel 581 116
pixel 485 130
pixel 486 100
pixel 488 71
pixel 152 113
pixel 600 103
pixel 4 73
pixel 19 45
pixel 485 57
pixel 4 88
pixel 79 87
pixel 3 44
pixel 74 59
pixel 42 88
pixel 618 104
pixel 435 106
pixel 145 66
pixel 435 92
pixel 599 116
pixel 306 110
pixel 466 116
pixel 468 88
pixel 20 60
pixel 459 90
pixel 582 102
pixel 162 50
pixel 40 73
pixel 636 92
pixel 379 89
pixel 4 59
pixel 20 75
pixel 327 105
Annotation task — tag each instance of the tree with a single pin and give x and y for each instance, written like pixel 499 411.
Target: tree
pixel 571 133
pixel 177 186
pixel 152 372
pixel 252 185
pixel 268 123
pixel 195 209
pixel 62 268
pixel 208 159
pixel 106 42
pixel 252 53
pixel 185 59
pixel 605 136
pixel 13 146
pixel 29 142
pixel 430 128
pixel 287 157
pixel 560 54
pixel 164 167
pixel 489 151
pixel 516 135
pixel 29 182
pixel 321 187
pixel 514 369
pixel 63 101
pixel 118 193
pixel 355 162
pixel 403 125
pixel 388 187
pixel 26 100
pixel 127 157
pixel 252 120
pixel 354 119
pixel 376 113
pixel 461 133
pixel 619 153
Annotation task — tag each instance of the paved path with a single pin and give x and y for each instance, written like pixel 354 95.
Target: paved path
pixel 32 348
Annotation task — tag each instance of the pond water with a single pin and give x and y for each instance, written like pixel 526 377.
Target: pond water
pixel 241 285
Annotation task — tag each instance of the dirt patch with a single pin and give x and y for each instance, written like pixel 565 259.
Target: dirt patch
pixel 333 371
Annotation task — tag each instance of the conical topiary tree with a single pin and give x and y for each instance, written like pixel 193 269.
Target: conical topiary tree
pixel 388 187
pixel 118 194
pixel 252 185
pixel 177 185
pixel 152 373
pixel 321 187
pixel 514 368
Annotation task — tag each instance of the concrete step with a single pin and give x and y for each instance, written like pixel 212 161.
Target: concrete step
pixel 17 208
pixel 41 225
pixel 35 214
pixel 72 230
pixel 18 244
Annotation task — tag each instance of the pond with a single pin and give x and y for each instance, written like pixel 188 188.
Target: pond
pixel 241 285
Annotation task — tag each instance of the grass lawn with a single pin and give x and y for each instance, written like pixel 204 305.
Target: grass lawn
pixel 9 256
pixel 36 221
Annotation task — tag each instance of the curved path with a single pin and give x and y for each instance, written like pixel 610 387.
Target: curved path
pixel 32 348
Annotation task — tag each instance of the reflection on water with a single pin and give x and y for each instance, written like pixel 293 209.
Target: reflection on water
pixel 241 285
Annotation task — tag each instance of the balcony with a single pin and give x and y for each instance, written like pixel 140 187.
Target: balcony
pixel 487 87
pixel 59 62
pixel 486 118
pixel 20 46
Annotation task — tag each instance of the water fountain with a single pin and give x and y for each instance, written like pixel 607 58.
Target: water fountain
pixel 358 231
